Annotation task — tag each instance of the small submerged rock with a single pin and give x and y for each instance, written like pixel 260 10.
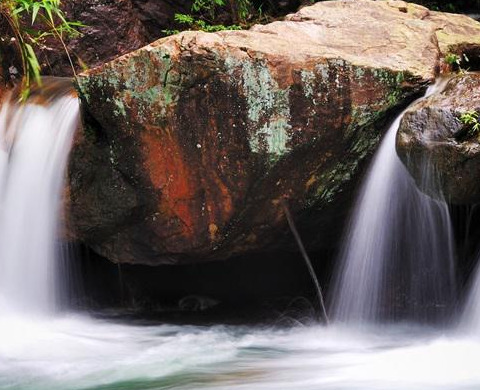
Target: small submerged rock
pixel 434 130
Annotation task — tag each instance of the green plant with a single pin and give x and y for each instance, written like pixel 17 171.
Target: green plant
pixel 455 61
pixel 452 59
pixel 32 22
pixel 208 6
pixel 205 12
pixel 202 25
pixel 471 122
pixel 240 10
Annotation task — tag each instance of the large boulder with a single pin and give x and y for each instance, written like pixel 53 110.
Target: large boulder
pixel 192 143
pixel 441 151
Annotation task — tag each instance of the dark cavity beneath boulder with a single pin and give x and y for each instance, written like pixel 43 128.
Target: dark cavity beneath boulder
pixel 190 143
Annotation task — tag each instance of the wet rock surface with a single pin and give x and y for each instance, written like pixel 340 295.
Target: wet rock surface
pixel 433 133
pixel 190 143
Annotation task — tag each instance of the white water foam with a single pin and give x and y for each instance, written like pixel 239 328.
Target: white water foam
pixel 75 353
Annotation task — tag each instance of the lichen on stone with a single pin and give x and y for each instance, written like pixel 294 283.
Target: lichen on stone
pixel 268 107
pixel 308 79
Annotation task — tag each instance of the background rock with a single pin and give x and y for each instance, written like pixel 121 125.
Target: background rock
pixel 112 28
pixel 431 133
pixel 158 16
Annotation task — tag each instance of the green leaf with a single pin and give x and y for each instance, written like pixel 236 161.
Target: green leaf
pixel 34 66
pixel 24 94
pixel 184 19
pixel 36 8
pixel 19 10
pixel 48 10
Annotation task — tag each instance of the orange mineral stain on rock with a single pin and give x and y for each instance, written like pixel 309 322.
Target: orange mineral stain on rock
pixel 310 182
pixel 169 172
pixel 212 229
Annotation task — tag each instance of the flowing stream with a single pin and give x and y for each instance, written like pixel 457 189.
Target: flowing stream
pixel 43 349
pixel 81 353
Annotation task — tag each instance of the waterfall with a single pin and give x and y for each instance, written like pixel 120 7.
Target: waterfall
pixel 397 258
pixel 35 140
pixel 470 319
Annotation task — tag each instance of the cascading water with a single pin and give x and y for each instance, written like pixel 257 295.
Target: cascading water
pixel 398 251
pixel 35 140
pixel 470 319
